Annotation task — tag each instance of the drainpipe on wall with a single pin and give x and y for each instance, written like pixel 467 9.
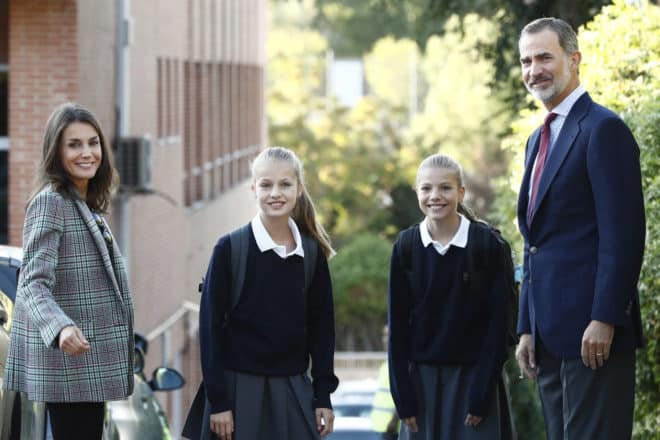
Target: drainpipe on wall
pixel 122 207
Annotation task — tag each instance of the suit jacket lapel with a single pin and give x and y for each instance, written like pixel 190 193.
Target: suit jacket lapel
pixel 87 217
pixel 523 195
pixel 562 146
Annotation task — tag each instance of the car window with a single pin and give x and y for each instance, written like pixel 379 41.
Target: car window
pixel 8 281
pixel 8 306
pixel 351 409
pixel 7 291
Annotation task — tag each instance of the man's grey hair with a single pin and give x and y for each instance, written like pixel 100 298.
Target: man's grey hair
pixel 567 37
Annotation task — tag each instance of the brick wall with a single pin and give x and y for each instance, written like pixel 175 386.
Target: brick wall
pixel 44 72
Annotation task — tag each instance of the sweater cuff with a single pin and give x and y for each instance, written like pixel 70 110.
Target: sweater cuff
pixel 219 406
pixel 322 401
pixel 323 386
pixel 479 408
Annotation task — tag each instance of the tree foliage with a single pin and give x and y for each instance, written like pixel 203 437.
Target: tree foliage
pixel 360 286
pixel 462 116
pixel 353 27
pixel 621 52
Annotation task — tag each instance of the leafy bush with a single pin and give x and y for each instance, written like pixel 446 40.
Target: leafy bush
pixel 359 276
pixel 621 48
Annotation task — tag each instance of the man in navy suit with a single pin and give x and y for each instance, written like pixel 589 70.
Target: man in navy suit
pixel 581 213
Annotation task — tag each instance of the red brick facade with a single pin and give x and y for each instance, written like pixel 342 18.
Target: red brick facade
pixel 194 87
pixel 43 60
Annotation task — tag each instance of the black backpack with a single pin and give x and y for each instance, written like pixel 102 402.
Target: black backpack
pixel 478 254
pixel 196 425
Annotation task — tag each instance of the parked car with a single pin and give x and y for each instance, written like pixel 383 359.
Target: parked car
pixel 138 417
pixel 141 416
pixel 10 261
pixel 354 398
pixel 353 428
pixel 352 403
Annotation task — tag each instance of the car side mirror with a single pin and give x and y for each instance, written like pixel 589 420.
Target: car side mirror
pixel 166 379
pixel 138 361
pixel 141 342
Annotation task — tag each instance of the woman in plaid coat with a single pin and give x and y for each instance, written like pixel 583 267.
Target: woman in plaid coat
pixel 72 333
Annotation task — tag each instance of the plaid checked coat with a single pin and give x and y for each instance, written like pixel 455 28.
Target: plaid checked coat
pixel 67 278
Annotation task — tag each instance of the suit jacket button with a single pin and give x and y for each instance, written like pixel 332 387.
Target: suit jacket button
pixel 533 250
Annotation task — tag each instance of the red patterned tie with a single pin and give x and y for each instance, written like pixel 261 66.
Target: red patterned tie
pixel 540 163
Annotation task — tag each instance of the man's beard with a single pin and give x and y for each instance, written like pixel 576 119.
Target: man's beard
pixel 559 84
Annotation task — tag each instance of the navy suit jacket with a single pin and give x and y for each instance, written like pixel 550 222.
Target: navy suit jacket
pixel 585 243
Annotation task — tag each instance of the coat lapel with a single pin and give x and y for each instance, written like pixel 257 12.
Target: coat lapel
pixel 523 194
pixel 561 147
pixel 87 217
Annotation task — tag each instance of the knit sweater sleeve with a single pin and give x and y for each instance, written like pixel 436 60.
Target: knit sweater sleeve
pixel 493 350
pixel 213 305
pixel 321 331
pixel 399 309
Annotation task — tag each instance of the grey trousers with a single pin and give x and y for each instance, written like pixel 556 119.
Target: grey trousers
pixel 442 406
pixel 580 403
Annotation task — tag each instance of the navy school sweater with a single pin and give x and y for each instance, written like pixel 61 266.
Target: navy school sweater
pixel 269 332
pixel 452 318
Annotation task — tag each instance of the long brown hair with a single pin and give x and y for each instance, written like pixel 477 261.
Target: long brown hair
pixel 304 213
pixel 51 172
pixel 447 163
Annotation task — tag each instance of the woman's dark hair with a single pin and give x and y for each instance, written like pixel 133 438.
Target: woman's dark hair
pixel 51 172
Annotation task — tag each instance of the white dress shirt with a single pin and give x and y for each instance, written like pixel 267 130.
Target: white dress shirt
pixel 265 241
pixel 562 110
pixel 459 239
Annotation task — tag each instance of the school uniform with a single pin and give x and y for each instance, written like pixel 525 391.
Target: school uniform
pixel 447 339
pixel 256 355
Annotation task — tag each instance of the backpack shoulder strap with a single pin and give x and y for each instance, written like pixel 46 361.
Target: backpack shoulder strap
pixel 404 247
pixel 478 249
pixel 240 242
pixel 311 249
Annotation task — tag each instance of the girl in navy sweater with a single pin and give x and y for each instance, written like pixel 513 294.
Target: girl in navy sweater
pixel 447 320
pixel 255 354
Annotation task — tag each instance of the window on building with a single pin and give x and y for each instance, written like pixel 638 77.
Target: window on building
pixel 221 131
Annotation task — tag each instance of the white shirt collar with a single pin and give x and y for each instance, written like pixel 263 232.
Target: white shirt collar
pixel 565 106
pixel 459 239
pixel 266 243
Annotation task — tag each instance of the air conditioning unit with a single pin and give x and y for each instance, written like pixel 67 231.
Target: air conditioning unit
pixel 133 162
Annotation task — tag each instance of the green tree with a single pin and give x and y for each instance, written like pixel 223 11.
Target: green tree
pixel 353 27
pixel 462 115
pixel 360 286
pixel 511 16
pixel 621 68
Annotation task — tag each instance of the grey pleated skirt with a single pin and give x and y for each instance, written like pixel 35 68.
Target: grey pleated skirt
pixel 274 408
pixel 442 402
